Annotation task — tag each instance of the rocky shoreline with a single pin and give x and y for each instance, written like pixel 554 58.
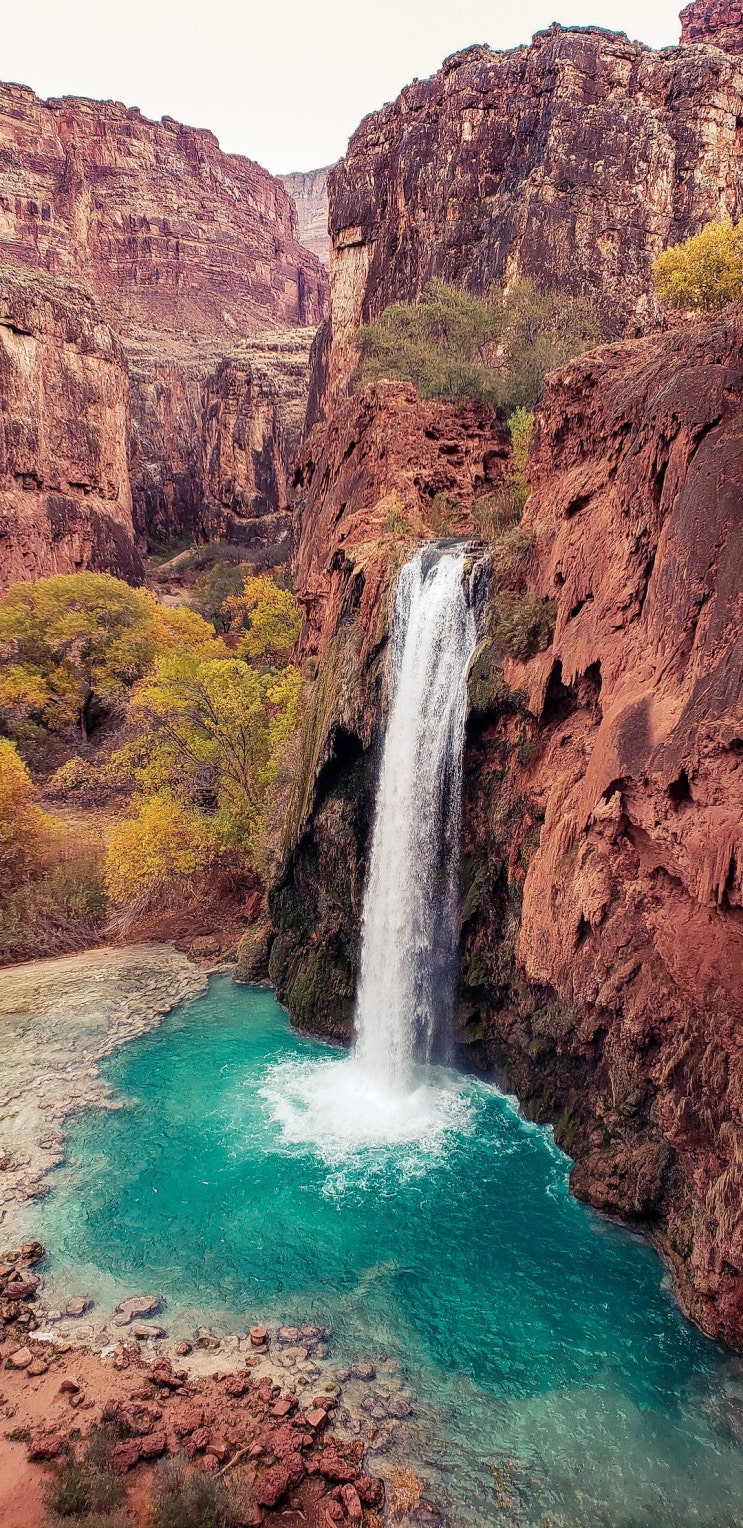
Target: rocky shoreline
pixel 262 1400
pixel 58 1019
pixel 67 1365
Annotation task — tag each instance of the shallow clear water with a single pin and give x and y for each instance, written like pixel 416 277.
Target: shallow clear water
pixel 556 1382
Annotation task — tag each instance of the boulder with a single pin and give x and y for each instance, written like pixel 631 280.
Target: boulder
pixel 21 1358
pixel 137 1305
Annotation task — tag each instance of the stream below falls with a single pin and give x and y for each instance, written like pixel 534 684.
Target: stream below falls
pixel 553 1379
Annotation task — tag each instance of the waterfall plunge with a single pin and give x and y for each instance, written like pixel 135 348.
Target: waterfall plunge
pixel 409 923
pixel 384 1092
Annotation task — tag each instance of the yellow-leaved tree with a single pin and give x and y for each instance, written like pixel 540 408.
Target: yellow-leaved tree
pixel 210 731
pixel 24 828
pixel 73 644
pixel 704 272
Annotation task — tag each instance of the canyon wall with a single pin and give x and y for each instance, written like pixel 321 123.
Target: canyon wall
pixel 65 499
pixel 573 161
pixel 602 899
pixel 169 232
pixel 193 257
pixel 382 476
pixel 309 188
pixel 719 22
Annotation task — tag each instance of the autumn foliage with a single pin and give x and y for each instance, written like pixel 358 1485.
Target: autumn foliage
pixel 704 272
pixel 200 721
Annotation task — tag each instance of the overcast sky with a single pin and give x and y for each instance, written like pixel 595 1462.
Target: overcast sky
pixel 284 82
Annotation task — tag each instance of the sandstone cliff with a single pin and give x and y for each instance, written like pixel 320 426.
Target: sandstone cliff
pixel 719 22
pixel 65 500
pixel 194 258
pixel 573 161
pixel 167 230
pixel 309 188
pixel 603 937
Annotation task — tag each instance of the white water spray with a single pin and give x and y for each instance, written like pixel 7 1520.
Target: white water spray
pixel 383 1093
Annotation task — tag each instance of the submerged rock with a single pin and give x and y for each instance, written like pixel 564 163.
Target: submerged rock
pixel 137 1305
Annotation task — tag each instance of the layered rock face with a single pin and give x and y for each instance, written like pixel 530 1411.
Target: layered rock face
pixel 211 448
pixel 167 230
pixel 719 22
pixel 384 475
pixel 602 900
pixel 194 258
pixel 573 161
pixel 309 188
pixel 65 500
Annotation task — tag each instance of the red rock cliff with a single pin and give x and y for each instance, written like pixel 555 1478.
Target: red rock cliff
pixel 65 500
pixel 719 22
pixel 603 951
pixel 194 257
pixel 602 937
pixel 166 229
pixel 573 161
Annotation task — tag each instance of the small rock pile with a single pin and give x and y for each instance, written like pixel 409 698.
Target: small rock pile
pixel 18 1291
pixel 286 1453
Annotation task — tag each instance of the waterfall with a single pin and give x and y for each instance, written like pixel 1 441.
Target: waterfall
pixel 386 1093
pixel 409 930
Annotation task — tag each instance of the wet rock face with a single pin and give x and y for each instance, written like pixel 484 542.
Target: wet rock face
pixel 573 161
pixel 603 937
pixel 370 486
pixel 719 22
pixel 65 500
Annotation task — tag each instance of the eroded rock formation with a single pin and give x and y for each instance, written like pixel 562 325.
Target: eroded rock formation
pixel 719 22
pixel 603 937
pixel 194 258
pixel 573 161
pixel 310 191
pixel 65 500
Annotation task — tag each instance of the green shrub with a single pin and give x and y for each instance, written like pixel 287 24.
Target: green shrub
pixel 223 581
pixel 436 343
pixel 444 515
pixel 495 349
pixel 187 1498
pixel 522 624
pixel 86 1484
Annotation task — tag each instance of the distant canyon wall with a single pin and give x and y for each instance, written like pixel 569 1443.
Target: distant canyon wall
pixel 65 496
pixel 309 188
pixel 193 259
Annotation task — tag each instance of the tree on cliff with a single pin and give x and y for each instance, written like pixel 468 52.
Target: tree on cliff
pixel 495 349
pixel 705 272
